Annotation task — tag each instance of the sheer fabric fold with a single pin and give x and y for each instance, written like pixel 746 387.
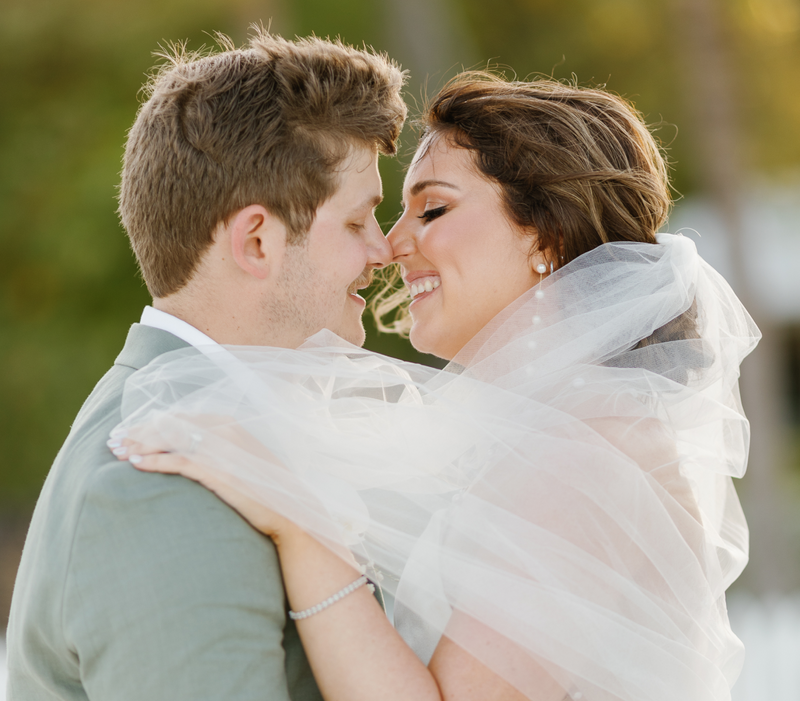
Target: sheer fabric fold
pixel 557 501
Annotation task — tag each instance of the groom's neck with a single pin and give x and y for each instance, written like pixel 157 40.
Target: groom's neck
pixel 225 323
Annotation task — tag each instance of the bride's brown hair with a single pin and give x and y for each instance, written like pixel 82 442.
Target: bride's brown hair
pixel 577 167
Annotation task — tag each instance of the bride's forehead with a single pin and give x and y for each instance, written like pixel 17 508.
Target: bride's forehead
pixel 434 158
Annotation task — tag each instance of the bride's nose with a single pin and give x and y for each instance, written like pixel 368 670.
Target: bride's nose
pixel 401 239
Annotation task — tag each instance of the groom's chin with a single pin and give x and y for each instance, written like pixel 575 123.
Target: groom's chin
pixel 353 332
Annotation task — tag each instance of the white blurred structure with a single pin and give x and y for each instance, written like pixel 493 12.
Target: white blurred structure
pixel 768 626
pixel 771 217
pixel 768 243
pixel 770 631
pixel 2 670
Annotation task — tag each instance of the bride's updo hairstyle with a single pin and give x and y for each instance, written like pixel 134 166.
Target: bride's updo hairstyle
pixel 577 168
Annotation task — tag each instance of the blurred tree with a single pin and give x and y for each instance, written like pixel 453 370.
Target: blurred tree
pixel 619 44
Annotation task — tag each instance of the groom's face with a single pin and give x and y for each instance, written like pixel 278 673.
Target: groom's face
pixel 319 279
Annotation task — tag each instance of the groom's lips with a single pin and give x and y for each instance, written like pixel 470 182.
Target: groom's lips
pixel 364 280
pixel 358 299
pixel 361 282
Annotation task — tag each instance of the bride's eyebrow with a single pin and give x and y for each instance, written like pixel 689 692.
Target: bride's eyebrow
pixel 418 187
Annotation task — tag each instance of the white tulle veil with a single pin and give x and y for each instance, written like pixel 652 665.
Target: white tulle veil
pixel 558 500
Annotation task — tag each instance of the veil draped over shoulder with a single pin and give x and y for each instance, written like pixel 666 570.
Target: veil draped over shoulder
pixel 557 501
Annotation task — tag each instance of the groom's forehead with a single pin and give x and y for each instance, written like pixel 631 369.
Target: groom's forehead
pixel 359 188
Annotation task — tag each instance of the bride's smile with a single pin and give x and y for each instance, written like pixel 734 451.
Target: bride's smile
pixel 463 260
pixel 421 284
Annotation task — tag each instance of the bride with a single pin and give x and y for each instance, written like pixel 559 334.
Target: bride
pixel 552 514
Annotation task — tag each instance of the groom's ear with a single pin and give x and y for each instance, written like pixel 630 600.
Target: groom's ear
pixel 258 240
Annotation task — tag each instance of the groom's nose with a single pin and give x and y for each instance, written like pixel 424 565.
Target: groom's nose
pixel 380 252
pixel 401 240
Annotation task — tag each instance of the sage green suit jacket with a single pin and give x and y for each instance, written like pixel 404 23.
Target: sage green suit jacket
pixel 146 587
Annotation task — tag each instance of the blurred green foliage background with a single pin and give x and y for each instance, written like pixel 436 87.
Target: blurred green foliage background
pixel 70 74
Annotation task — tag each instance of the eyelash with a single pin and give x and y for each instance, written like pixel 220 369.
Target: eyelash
pixel 432 214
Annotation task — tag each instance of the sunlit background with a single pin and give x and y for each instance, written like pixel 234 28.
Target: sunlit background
pixel 719 78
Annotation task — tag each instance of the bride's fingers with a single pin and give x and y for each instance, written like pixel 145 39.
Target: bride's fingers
pixel 144 439
pixel 168 463
pixel 126 447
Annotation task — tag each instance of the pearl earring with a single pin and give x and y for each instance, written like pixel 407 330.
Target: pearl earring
pixel 541 268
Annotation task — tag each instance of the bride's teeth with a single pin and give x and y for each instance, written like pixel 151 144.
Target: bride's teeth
pixel 428 285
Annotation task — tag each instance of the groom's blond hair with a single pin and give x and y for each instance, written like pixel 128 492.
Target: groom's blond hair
pixel 267 124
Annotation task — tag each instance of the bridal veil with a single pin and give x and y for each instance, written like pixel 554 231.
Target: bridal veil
pixel 557 500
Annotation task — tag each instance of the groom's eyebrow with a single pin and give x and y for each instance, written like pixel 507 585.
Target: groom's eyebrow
pixel 370 203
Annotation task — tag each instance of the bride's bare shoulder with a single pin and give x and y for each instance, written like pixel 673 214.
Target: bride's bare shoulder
pixel 651 444
pixel 643 439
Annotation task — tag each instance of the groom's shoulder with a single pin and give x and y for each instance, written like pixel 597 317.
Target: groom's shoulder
pixel 84 461
pixel 104 532
pixel 84 451
pixel 87 483
pixel 101 410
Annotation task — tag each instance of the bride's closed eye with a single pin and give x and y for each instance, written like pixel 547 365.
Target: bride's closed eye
pixel 431 214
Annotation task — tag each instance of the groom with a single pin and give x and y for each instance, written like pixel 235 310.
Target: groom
pixel 248 193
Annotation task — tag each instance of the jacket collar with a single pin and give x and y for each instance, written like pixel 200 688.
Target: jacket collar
pixel 144 344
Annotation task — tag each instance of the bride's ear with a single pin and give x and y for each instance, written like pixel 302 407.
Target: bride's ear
pixel 258 240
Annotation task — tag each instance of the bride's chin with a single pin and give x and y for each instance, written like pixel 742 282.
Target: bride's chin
pixel 424 343
pixel 418 339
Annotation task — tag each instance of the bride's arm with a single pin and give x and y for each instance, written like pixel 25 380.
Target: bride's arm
pixel 353 649
pixel 354 652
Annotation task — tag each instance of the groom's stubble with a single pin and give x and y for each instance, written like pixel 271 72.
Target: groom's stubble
pixel 303 304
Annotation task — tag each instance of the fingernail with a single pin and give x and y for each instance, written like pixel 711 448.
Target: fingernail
pixel 114 443
pixel 120 451
pixel 119 433
pixel 135 459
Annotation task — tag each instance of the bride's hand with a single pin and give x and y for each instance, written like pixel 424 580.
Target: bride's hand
pixel 154 458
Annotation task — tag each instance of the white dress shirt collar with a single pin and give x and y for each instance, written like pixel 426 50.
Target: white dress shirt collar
pixel 244 377
pixel 177 327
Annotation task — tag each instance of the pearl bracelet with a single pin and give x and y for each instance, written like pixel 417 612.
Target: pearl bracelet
pixel 349 589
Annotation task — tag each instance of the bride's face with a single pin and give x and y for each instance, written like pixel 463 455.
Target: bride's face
pixel 460 256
